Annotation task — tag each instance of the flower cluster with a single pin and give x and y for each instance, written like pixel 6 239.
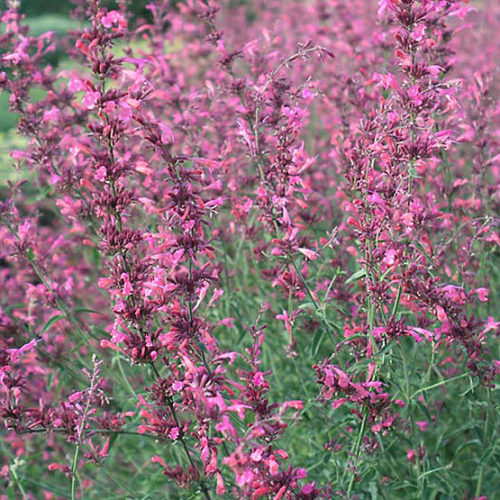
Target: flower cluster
pixel 251 250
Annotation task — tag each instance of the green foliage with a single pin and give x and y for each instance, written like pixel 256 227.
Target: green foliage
pixel 7 121
pixel 9 141
pixel 40 7
pixel 51 22
pixel 64 7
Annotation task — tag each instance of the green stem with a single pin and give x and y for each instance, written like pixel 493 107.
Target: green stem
pixel 16 481
pixel 74 466
pixel 479 483
pixel 356 450
pixel 433 386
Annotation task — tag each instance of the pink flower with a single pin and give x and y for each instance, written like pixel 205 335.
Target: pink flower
pixel 390 257
pixel 482 294
pixel 298 405
pixel 90 99
pixel 220 488
pixel 158 460
pixel 61 467
pixel 418 32
pixel 75 396
pixel 101 174
pixel 310 254
pixel 415 95
pixel 113 18
pixel 289 321
pixel 441 314
pixel 422 425
pixel 51 114
pixel 491 325
pixel 75 84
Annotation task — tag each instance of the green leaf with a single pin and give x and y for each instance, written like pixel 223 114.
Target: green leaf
pixel 50 380
pixel 316 342
pixel 95 257
pixel 85 310
pixel 424 410
pixel 361 273
pixel 413 172
pixel 42 194
pixel 307 305
pixel 424 251
pixel 30 255
pixel 51 322
pixel 19 305
pixel 372 488
pixel 389 270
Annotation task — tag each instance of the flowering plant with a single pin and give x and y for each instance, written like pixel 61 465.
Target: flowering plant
pixel 251 252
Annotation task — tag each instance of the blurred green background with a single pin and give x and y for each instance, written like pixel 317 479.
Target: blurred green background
pixel 63 7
